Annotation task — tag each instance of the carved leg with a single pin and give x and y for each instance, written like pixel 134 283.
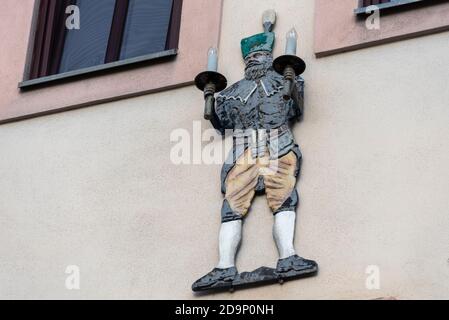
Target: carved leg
pixel 284 233
pixel 240 191
pixel 229 241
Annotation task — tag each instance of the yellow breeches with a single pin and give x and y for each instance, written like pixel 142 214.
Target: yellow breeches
pixel 278 175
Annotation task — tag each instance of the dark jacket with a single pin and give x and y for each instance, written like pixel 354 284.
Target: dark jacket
pixel 250 104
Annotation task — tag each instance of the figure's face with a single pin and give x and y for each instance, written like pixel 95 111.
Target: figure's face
pixel 256 58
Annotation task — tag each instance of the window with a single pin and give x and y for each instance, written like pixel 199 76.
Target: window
pixel 338 29
pixel 366 3
pixel 110 31
pixel 385 5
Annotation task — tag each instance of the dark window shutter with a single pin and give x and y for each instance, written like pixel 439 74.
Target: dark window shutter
pixel 146 27
pixel 367 3
pixel 175 26
pixel 49 38
pixel 111 30
pixel 87 46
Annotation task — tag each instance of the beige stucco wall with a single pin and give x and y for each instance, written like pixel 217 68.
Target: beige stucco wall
pixel 95 187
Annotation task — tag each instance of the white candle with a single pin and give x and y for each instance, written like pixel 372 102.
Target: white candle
pixel 292 38
pixel 212 60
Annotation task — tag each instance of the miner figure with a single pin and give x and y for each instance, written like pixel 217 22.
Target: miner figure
pixel 264 159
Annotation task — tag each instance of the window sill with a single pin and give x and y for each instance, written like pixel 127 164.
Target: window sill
pixel 28 84
pixel 385 6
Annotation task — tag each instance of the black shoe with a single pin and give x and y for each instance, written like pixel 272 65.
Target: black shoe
pixel 295 266
pixel 217 278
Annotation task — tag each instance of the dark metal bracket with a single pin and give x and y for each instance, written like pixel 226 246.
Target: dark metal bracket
pixel 210 82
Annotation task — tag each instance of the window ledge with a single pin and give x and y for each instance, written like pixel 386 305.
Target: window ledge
pixel 28 84
pixel 385 6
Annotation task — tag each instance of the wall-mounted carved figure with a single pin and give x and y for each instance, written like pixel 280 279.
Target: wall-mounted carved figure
pixel 265 160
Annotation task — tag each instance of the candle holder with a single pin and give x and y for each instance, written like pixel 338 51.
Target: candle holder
pixel 289 66
pixel 210 82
